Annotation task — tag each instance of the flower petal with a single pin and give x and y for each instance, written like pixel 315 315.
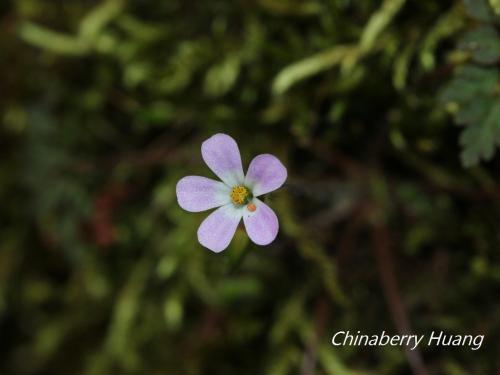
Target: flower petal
pixel 217 230
pixel 196 193
pixel 265 173
pixel 222 156
pixel 262 224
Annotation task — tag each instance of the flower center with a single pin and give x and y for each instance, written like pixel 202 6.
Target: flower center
pixel 240 195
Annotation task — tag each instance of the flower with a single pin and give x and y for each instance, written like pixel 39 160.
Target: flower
pixel 235 197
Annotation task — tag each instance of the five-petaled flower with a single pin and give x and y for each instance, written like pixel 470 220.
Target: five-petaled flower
pixel 235 197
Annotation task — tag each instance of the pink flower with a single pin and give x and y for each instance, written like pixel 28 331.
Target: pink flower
pixel 235 197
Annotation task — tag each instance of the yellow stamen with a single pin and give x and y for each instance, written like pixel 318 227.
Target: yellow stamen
pixel 239 195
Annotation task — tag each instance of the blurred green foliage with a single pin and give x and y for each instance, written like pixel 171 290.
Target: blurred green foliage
pixel 474 90
pixel 104 107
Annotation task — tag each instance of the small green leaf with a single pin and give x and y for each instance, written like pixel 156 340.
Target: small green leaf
pixel 221 77
pixel 310 66
pixel 483 43
pixel 53 41
pixel 474 92
pixel 93 23
pixel 469 82
pixel 473 112
pixel 479 140
pixel 378 22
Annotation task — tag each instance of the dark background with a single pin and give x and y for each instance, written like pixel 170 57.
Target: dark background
pixel 389 219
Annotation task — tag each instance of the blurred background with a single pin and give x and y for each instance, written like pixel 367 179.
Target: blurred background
pixel 389 219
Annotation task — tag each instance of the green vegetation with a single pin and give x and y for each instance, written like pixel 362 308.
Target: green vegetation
pixel 389 219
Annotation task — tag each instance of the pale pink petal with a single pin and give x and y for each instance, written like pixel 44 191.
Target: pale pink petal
pixel 217 230
pixel 262 224
pixel 222 156
pixel 196 193
pixel 265 174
